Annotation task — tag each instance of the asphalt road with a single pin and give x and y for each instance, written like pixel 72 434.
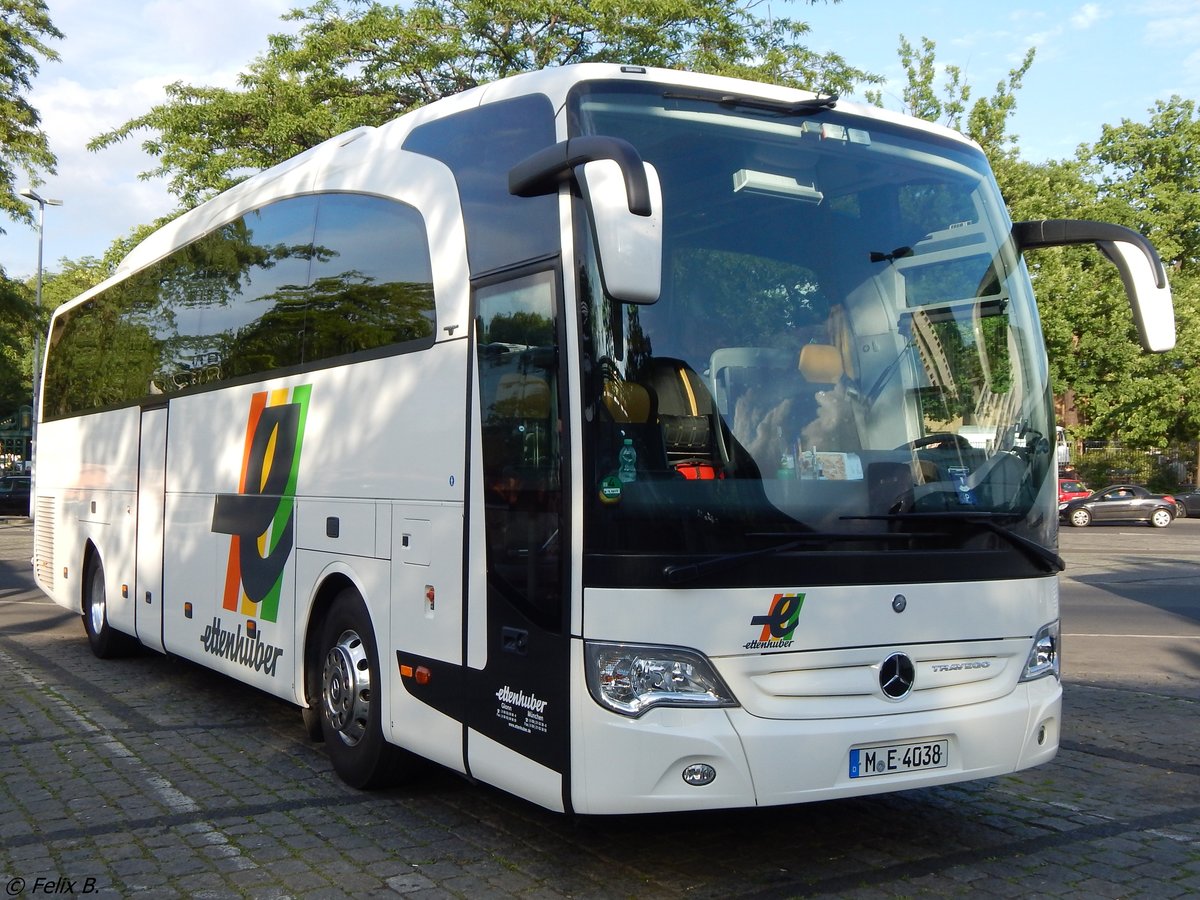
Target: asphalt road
pixel 154 776
pixel 1131 605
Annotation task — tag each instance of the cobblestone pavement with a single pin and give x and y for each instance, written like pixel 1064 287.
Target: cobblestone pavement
pixel 153 776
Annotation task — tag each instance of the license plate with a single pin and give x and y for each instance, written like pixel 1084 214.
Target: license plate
pixel 866 762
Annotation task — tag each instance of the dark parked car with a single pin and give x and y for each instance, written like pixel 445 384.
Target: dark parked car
pixel 1120 503
pixel 1187 501
pixel 14 495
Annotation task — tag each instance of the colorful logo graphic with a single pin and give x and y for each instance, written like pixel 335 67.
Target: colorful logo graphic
pixel 779 624
pixel 260 516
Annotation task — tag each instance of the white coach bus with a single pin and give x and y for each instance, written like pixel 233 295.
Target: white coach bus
pixel 630 440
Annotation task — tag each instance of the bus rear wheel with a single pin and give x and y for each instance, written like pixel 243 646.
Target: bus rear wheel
pixel 350 699
pixel 106 642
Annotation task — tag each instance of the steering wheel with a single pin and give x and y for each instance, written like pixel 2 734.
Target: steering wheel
pixel 941 440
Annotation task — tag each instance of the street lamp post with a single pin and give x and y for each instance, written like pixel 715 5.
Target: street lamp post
pixel 42 203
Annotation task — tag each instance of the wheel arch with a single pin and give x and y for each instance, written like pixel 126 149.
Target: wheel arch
pixel 329 577
pixel 329 586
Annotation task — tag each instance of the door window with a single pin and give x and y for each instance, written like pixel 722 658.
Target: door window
pixel 521 438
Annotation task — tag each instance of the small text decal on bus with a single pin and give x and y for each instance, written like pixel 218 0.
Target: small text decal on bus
pixel 259 516
pixel 524 712
pixel 779 624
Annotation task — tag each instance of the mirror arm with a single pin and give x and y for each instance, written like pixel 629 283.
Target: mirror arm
pixel 1060 232
pixel 545 170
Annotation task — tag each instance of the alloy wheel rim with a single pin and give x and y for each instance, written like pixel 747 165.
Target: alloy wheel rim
pixel 346 687
pixel 96 612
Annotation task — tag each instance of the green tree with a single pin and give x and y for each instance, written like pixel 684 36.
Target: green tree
pixel 988 121
pixel 25 27
pixel 355 63
pixel 985 121
pixel 1142 175
pixel 16 331
pixel 922 97
pixel 1148 178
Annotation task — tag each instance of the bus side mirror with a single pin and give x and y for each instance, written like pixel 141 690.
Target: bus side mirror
pixel 624 200
pixel 1141 270
pixel 628 245
pixel 1153 312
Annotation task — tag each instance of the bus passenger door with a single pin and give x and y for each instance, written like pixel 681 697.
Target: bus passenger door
pixel 151 498
pixel 517 639
pixel 511 696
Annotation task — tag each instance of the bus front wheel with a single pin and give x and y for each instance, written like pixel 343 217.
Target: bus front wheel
pixel 350 698
pixel 106 642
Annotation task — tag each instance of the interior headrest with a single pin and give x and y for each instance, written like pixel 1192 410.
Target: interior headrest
pixel 821 363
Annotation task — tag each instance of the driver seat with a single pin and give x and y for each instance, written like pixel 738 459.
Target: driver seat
pixel 685 416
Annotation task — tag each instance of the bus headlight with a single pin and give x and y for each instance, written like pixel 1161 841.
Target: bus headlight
pixel 1043 658
pixel 632 678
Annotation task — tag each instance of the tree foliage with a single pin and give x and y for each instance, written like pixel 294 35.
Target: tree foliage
pixel 1147 176
pixel 355 63
pixel 16 359
pixel 25 27
pixel 1142 175
pixel 921 96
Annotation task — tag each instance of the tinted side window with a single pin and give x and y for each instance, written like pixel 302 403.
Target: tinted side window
pixel 102 352
pixel 368 284
pixel 372 280
pixel 214 290
pixel 480 146
pixel 257 295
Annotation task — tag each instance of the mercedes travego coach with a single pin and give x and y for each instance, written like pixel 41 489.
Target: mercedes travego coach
pixel 630 440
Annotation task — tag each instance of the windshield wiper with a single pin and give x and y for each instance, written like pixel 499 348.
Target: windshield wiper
pixel 783 107
pixel 993 522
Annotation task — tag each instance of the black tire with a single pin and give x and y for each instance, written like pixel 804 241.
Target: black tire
pixel 106 642
pixel 1080 518
pixel 348 700
pixel 311 716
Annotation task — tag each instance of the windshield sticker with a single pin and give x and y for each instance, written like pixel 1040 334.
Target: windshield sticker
pixel 779 624
pixel 260 515
pixel 610 490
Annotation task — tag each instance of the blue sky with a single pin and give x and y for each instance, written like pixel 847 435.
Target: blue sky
pixel 1096 63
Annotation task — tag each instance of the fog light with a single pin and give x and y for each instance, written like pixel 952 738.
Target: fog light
pixel 699 774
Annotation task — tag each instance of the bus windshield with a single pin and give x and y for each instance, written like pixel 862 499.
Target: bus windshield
pixel 844 361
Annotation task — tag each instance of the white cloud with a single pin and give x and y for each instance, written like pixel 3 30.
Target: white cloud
pixel 1087 16
pixel 1171 23
pixel 115 60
